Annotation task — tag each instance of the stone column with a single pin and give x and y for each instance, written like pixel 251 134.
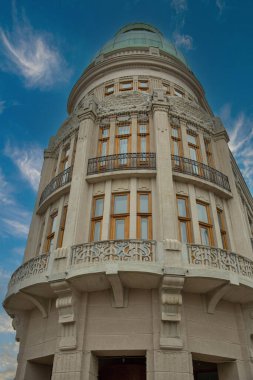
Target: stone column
pixel 239 226
pixel 165 188
pixel 78 207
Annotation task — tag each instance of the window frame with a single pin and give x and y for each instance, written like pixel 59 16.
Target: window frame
pixel 140 135
pixel 127 81
pixel 143 88
pixel 102 139
pixel 50 234
pixel 112 85
pixel 62 226
pixel 144 215
pixel 208 150
pixel 125 216
pixel 222 228
pixel 65 157
pixel 95 219
pixel 178 140
pixel 207 225
pixel 185 219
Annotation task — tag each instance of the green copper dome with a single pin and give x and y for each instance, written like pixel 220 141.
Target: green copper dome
pixel 141 35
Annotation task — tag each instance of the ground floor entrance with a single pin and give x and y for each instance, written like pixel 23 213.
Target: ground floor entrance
pixel 122 368
pixel 205 370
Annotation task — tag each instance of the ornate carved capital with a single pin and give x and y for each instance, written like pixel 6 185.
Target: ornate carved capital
pixel 171 303
pixel 67 304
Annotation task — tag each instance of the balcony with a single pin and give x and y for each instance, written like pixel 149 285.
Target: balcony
pixel 198 169
pixel 57 182
pixel 216 258
pixel 113 250
pixel 123 161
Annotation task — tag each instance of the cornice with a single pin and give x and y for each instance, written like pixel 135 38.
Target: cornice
pixel 134 61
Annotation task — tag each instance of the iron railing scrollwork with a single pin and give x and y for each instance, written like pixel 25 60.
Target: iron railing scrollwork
pixel 113 250
pixel 198 169
pixel 33 267
pixel 217 258
pixel 60 180
pixel 123 161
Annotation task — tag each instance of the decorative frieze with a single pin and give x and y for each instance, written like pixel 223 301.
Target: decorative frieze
pixel 130 101
pixel 113 250
pixel 217 258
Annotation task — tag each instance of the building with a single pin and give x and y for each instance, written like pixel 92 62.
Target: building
pixel 139 261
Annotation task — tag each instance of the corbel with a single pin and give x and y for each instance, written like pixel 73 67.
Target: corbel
pixel 215 296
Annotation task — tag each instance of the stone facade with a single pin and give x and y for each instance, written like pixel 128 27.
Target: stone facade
pixel 170 294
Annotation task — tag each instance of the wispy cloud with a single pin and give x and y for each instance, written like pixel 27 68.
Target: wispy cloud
pixel 183 40
pixel 240 128
pixel 2 106
pixel 33 55
pixel 221 4
pixel 6 324
pixel 179 5
pixel 8 353
pixel 14 226
pixel 28 160
pixel 5 191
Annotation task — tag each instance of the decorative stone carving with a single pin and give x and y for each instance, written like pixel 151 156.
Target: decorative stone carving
pixel 113 250
pixel 19 323
pixel 220 259
pixel 171 303
pixel 67 304
pixel 190 112
pixel 130 101
pixel 172 245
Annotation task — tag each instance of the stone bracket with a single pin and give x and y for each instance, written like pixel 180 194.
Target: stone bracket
pixel 215 296
pixel 118 290
pixel 67 305
pixel 171 304
pixel 39 302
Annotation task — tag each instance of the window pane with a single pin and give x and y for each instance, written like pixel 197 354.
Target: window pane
pixel 143 144
pixel 99 204
pixel 97 230
pixel 143 84
pixel 219 219
pixel 183 230
pixel 204 236
pixel 109 89
pixel 175 132
pixel 144 203
pixel 176 150
pixel 178 93
pixel 193 154
pixel 181 207
pixel 120 204
pixel 124 130
pixel 144 228
pixel 105 132
pixel 104 148
pixel 191 139
pixel 142 128
pixel 50 244
pixel 119 229
pixel 126 85
pixel 123 146
pixel 53 223
pixel 202 213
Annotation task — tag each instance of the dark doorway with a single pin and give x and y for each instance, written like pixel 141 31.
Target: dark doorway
pixel 40 368
pixel 205 370
pixel 123 368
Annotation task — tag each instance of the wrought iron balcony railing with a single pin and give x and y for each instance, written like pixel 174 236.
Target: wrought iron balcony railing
pixel 217 258
pixel 113 250
pixel 123 161
pixel 198 169
pixel 60 180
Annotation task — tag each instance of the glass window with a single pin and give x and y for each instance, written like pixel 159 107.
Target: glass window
pixel 105 132
pixel 144 216
pixel 143 144
pixel 120 204
pixel 126 85
pixel 175 132
pixel 120 229
pixel 181 202
pixel 109 89
pixel 183 231
pixel 144 228
pixel 144 198
pixel 178 93
pixel 123 130
pixel 99 205
pixel 202 213
pixel 97 229
pixel 191 139
pixel 204 236
pixel 143 84
pixel 143 128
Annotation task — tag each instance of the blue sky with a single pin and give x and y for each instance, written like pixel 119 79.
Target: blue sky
pixel 45 46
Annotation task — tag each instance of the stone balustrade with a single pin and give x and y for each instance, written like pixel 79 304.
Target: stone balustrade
pixel 217 258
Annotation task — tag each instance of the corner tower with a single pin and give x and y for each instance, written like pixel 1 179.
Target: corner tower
pixel 139 259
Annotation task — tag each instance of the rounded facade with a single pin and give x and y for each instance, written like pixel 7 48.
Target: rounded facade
pixel 139 257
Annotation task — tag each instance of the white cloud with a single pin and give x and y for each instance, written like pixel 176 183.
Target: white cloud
pixel 240 129
pixel 28 160
pixel 221 4
pixel 32 55
pixel 6 324
pixel 8 363
pixel 179 5
pixel 5 191
pixel 16 227
pixel 2 106
pixel 183 40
